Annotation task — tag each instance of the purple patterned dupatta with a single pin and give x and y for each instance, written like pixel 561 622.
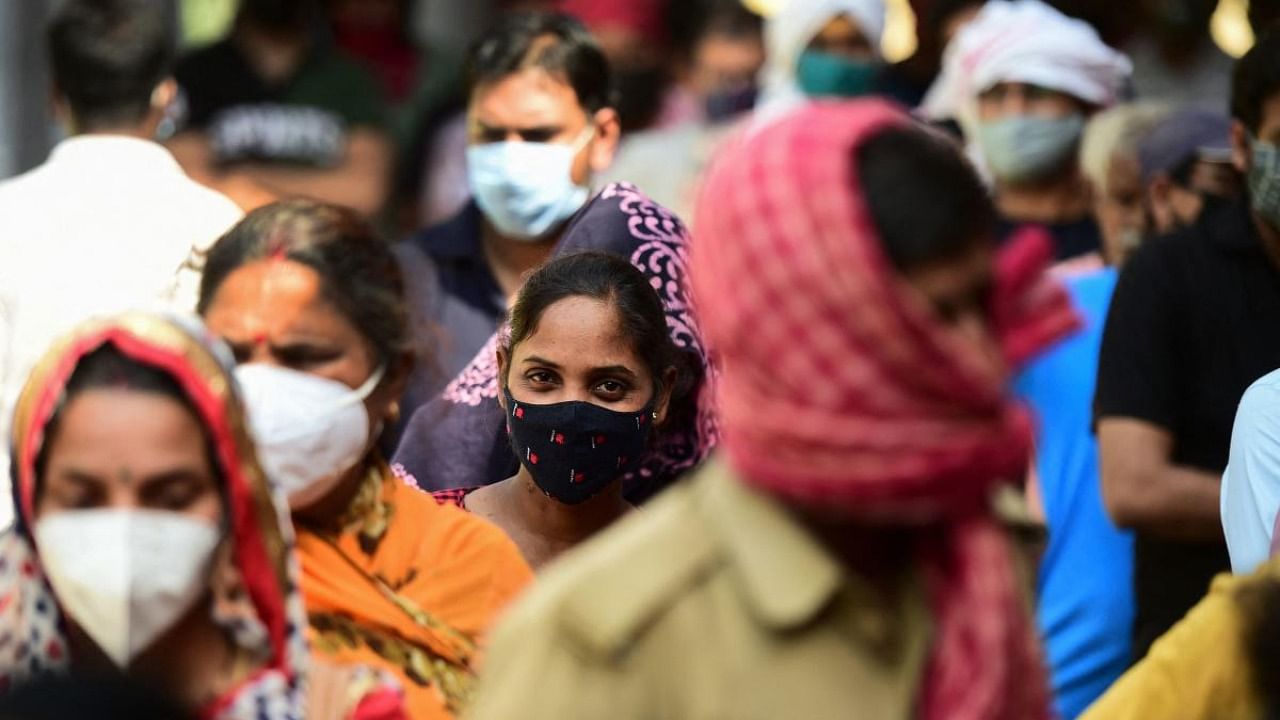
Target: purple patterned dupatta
pixel 459 439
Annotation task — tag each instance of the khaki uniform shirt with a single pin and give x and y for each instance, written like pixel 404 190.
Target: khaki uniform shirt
pixel 711 603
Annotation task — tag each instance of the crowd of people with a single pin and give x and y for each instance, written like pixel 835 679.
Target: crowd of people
pixel 655 359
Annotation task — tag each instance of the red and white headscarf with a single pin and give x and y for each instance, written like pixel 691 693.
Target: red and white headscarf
pixel 840 389
pixel 271 624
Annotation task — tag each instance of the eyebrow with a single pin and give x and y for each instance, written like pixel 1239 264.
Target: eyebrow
pixel 535 360
pixel 80 476
pixel 289 343
pixel 487 129
pixel 614 370
pixel 606 370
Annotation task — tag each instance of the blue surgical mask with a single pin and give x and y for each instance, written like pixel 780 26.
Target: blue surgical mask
pixel 822 74
pixel 525 188
pixel 1028 147
pixel 1264 181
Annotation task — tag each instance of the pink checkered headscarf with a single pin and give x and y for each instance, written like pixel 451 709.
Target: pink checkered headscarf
pixel 841 391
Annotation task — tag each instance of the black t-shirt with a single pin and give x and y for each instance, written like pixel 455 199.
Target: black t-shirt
pixel 303 120
pixel 1071 238
pixel 1194 321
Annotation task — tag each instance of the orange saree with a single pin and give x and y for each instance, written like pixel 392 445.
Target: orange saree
pixel 408 585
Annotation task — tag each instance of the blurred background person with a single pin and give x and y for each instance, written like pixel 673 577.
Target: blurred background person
pixel 1109 160
pixel 1186 164
pixel 634 37
pixel 1022 80
pixel 1221 659
pixel 541 124
pixel 422 82
pixel 820 48
pixel 587 377
pixel 721 46
pixel 1084 595
pixel 147 540
pixel 311 302
pixel 937 22
pixel 1175 60
pixel 866 569
pixel 273 104
pixel 459 438
pixel 1188 330
pixel 378 34
pixel 109 222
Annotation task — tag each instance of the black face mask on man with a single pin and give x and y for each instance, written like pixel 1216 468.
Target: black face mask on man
pixel 574 450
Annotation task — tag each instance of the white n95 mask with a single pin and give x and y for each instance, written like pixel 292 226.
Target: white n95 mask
pixel 126 575
pixel 309 430
pixel 525 188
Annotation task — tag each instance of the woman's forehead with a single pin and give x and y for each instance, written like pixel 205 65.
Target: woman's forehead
pixel 579 331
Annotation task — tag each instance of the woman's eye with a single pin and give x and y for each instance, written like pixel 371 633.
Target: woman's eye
pixel 611 388
pixel 241 353
pixel 304 359
pixel 82 500
pixel 175 495
pixel 541 377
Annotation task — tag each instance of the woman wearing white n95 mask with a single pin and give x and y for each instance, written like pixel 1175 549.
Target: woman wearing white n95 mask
pixel 147 539
pixel 312 304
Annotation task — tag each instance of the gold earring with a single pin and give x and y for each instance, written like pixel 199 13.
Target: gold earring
pixel 393 412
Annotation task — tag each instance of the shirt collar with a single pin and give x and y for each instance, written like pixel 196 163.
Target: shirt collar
pixel 787 578
pixel 117 152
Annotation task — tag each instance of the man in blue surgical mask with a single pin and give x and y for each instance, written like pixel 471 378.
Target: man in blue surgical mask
pixel 1021 78
pixel 541 123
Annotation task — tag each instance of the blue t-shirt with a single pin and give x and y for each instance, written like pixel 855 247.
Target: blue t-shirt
pixel 1085 610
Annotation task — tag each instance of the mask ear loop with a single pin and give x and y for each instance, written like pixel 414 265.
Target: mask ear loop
pixel 583 138
pixel 363 392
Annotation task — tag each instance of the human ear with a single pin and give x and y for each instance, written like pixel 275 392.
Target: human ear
pixel 1240 151
pixel 663 404
pixel 503 356
pixel 608 132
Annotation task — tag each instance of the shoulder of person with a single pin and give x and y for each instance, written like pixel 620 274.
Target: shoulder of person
pixel 216 208
pixel 454 531
pixel 15 190
pixel 1264 392
pixel 1258 413
pixel 603 597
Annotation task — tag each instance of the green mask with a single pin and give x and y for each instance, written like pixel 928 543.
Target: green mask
pixel 1264 181
pixel 822 74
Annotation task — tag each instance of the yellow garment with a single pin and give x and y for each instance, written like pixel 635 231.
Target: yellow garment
pixel 713 603
pixel 1199 669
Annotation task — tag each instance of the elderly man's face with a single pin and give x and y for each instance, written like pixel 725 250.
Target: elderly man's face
pixel 1119 208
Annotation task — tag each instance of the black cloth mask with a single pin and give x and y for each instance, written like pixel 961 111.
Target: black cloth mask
pixel 574 450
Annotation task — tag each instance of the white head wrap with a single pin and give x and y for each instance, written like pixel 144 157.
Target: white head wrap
pixel 1025 41
pixel 789 31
